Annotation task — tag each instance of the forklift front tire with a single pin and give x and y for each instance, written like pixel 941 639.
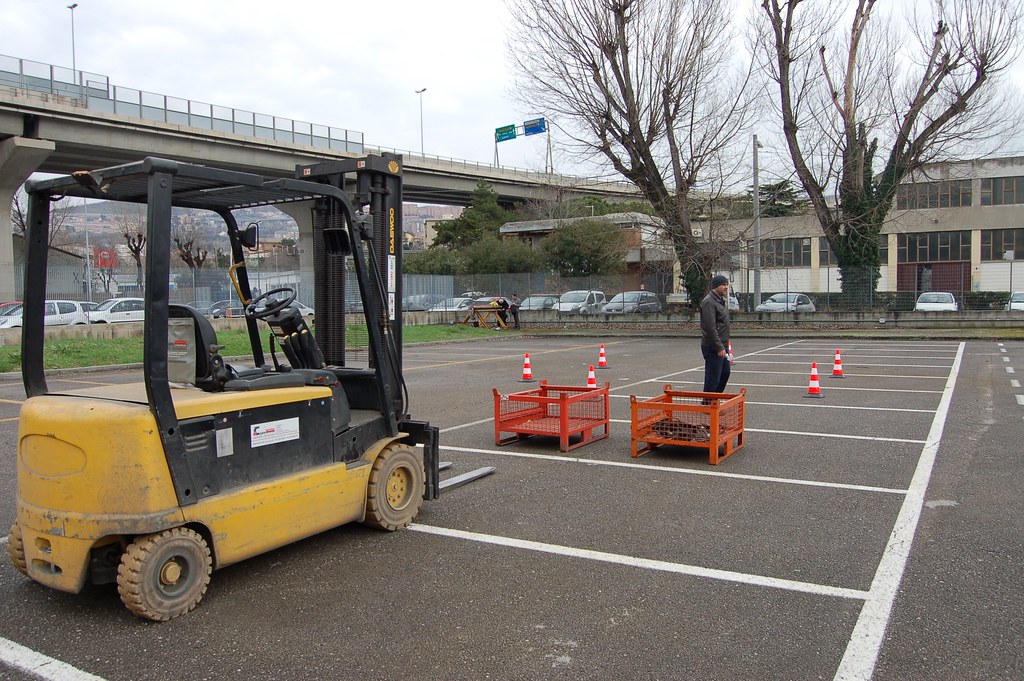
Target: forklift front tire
pixel 16 549
pixel 164 575
pixel 394 492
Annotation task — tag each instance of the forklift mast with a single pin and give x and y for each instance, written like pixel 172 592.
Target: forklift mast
pixel 375 185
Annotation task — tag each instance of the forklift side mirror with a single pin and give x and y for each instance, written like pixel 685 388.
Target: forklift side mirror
pixel 336 241
pixel 249 236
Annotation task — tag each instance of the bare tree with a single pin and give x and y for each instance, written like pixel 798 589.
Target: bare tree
pixel 878 94
pixel 189 241
pixel 130 220
pixel 648 87
pixel 60 212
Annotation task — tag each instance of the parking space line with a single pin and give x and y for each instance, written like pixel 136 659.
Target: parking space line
pixel 645 563
pixel 6 401
pixel 13 418
pixel 849 375
pixel 666 469
pixel 855 363
pixel 29 661
pixel 1020 399
pixel 804 405
pixel 866 639
pixel 830 387
pixel 800 432
pixel 1009 370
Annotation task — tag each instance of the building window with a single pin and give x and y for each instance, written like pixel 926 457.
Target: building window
pixel 933 246
pixel 944 194
pixel 786 252
pixel 827 258
pixel 1002 191
pixel 995 242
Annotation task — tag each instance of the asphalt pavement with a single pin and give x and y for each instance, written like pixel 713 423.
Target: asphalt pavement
pixel 872 533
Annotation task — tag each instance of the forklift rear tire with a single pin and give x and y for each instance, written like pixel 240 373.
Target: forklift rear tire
pixel 16 549
pixel 164 575
pixel 395 490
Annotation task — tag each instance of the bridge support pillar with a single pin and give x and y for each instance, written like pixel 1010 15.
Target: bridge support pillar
pixel 19 158
pixel 302 213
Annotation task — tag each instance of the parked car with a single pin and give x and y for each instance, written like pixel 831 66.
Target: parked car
pixel 119 310
pixel 936 301
pixel 420 302
pixel 57 312
pixel 786 302
pixel 304 310
pixel 633 301
pixel 1016 301
pixel 471 294
pixel 460 304
pixel 733 302
pixel 539 301
pixel 5 308
pixel 222 308
pixel 580 302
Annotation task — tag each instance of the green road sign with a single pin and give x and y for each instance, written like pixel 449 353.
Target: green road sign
pixel 505 133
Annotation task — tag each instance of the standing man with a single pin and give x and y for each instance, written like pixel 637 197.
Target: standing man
pixel 714 334
pixel 514 304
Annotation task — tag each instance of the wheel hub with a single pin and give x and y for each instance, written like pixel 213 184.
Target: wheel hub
pixel 398 487
pixel 170 573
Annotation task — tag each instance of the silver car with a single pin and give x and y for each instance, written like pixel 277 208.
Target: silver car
pixel 787 302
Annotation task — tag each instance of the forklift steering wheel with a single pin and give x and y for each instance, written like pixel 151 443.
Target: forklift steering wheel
pixel 273 305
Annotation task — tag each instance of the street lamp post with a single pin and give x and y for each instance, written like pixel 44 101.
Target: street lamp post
pixel 756 260
pixel 74 64
pixel 420 93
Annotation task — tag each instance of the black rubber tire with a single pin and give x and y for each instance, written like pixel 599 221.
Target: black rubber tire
pixel 164 575
pixel 16 549
pixel 394 492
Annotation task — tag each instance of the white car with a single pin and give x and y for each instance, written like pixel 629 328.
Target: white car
pixel 733 302
pixel 460 304
pixel 936 301
pixel 786 302
pixel 1016 301
pixel 581 302
pixel 57 312
pixel 119 310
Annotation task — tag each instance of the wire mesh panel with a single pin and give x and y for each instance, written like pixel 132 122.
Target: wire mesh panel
pixel 555 411
pixel 689 419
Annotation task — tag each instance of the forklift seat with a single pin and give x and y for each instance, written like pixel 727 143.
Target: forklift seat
pixel 210 373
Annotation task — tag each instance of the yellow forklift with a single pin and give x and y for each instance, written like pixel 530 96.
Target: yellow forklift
pixel 202 463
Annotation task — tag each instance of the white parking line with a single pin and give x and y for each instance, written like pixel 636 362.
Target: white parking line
pixel 800 432
pixel 1014 383
pixel 866 640
pixel 804 405
pixel 645 563
pixel 29 661
pixel 665 469
pixel 1020 399
pixel 1009 370
pixel 848 375
pixel 830 387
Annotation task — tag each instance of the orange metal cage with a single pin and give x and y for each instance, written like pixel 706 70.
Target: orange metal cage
pixel 553 410
pixel 691 419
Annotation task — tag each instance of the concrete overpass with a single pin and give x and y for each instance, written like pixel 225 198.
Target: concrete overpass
pixel 86 138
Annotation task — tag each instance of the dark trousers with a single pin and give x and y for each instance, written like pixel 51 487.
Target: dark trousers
pixel 716 370
pixel 515 316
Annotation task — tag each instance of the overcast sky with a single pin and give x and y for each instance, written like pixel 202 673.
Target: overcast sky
pixel 354 65
pixel 346 64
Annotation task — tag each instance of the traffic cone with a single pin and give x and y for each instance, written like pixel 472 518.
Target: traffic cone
pixel 591 378
pixel 837 366
pixel 728 352
pixel 527 370
pixel 813 389
pixel 602 359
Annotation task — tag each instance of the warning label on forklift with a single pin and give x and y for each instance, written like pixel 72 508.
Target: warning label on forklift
pixel 261 434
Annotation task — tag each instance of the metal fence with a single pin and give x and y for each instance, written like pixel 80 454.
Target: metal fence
pixel 204 286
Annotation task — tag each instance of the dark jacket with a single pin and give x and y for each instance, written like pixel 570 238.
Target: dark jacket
pixel 714 322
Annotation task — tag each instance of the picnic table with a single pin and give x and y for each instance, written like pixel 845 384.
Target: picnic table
pixel 483 315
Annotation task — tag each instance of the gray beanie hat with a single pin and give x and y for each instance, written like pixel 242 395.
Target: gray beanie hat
pixel 719 280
